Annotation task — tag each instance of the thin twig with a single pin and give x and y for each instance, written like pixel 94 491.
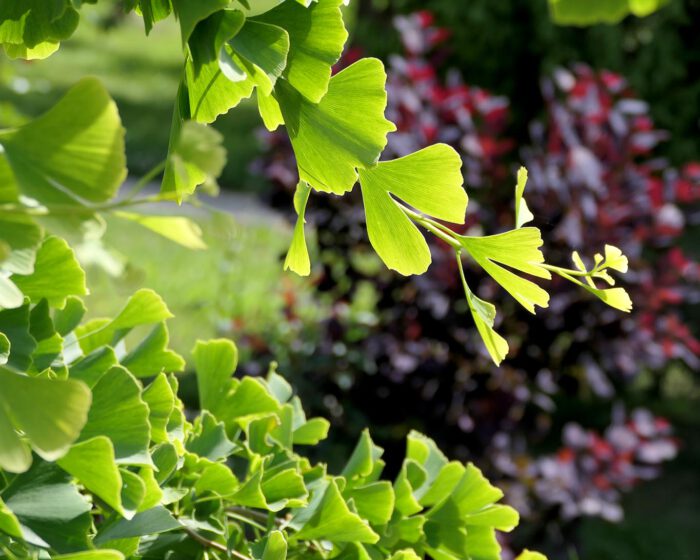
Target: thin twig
pixel 213 544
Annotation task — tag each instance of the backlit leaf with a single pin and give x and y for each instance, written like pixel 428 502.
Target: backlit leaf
pixel 516 249
pixel 345 130
pixel 316 37
pixel 297 259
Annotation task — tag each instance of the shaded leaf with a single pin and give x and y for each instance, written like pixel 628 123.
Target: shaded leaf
pixel 50 412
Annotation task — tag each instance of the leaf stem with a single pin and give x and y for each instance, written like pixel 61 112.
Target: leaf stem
pixel 244 519
pixel 145 179
pixel 213 544
pixel 433 227
pixel 566 271
pixel 70 209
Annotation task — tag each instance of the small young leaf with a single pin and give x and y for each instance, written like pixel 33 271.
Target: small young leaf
pixel 297 259
pixel 517 249
pixel 271 547
pixel 522 212
pixel 615 259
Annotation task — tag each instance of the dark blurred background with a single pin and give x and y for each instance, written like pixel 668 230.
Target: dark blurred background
pixel 591 426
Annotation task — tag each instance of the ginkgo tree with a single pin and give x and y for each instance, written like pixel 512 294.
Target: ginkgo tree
pixel 97 457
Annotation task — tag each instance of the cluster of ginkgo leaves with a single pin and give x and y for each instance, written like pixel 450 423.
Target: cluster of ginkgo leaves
pixel 98 460
pixel 283 52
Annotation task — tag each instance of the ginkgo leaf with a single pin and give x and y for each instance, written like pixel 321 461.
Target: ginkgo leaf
pixel 517 249
pixel 179 229
pixel 530 555
pixel 145 307
pixel 484 315
pixel 574 12
pixel 214 363
pixel 73 152
pixel 56 276
pixel 152 355
pixel 269 110
pixel 120 413
pixel 333 520
pixel 266 47
pixel 397 241
pixel 298 255
pixel 196 157
pixel 225 69
pixel 522 212
pixel 614 297
pixel 272 547
pixel 210 35
pixel 412 178
pixel 345 130
pixel 152 11
pixel 92 463
pixel 50 412
pixel 189 14
pixel 32 29
pixel 615 259
pixel 316 39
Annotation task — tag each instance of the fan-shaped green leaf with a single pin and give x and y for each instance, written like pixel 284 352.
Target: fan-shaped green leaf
pixel 345 130
pixel 57 274
pixel 316 38
pixel 152 355
pixel 179 229
pixel 92 463
pixel 333 521
pixel 516 249
pixel 32 29
pixel 50 509
pixel 119 413
pixel 50 412
pixel 72 153
pixel 214 362
pixel 195 157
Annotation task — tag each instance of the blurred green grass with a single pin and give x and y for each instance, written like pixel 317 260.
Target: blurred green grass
pixel 142 75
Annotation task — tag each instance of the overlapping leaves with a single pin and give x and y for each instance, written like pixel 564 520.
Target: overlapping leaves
pixel 161 483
